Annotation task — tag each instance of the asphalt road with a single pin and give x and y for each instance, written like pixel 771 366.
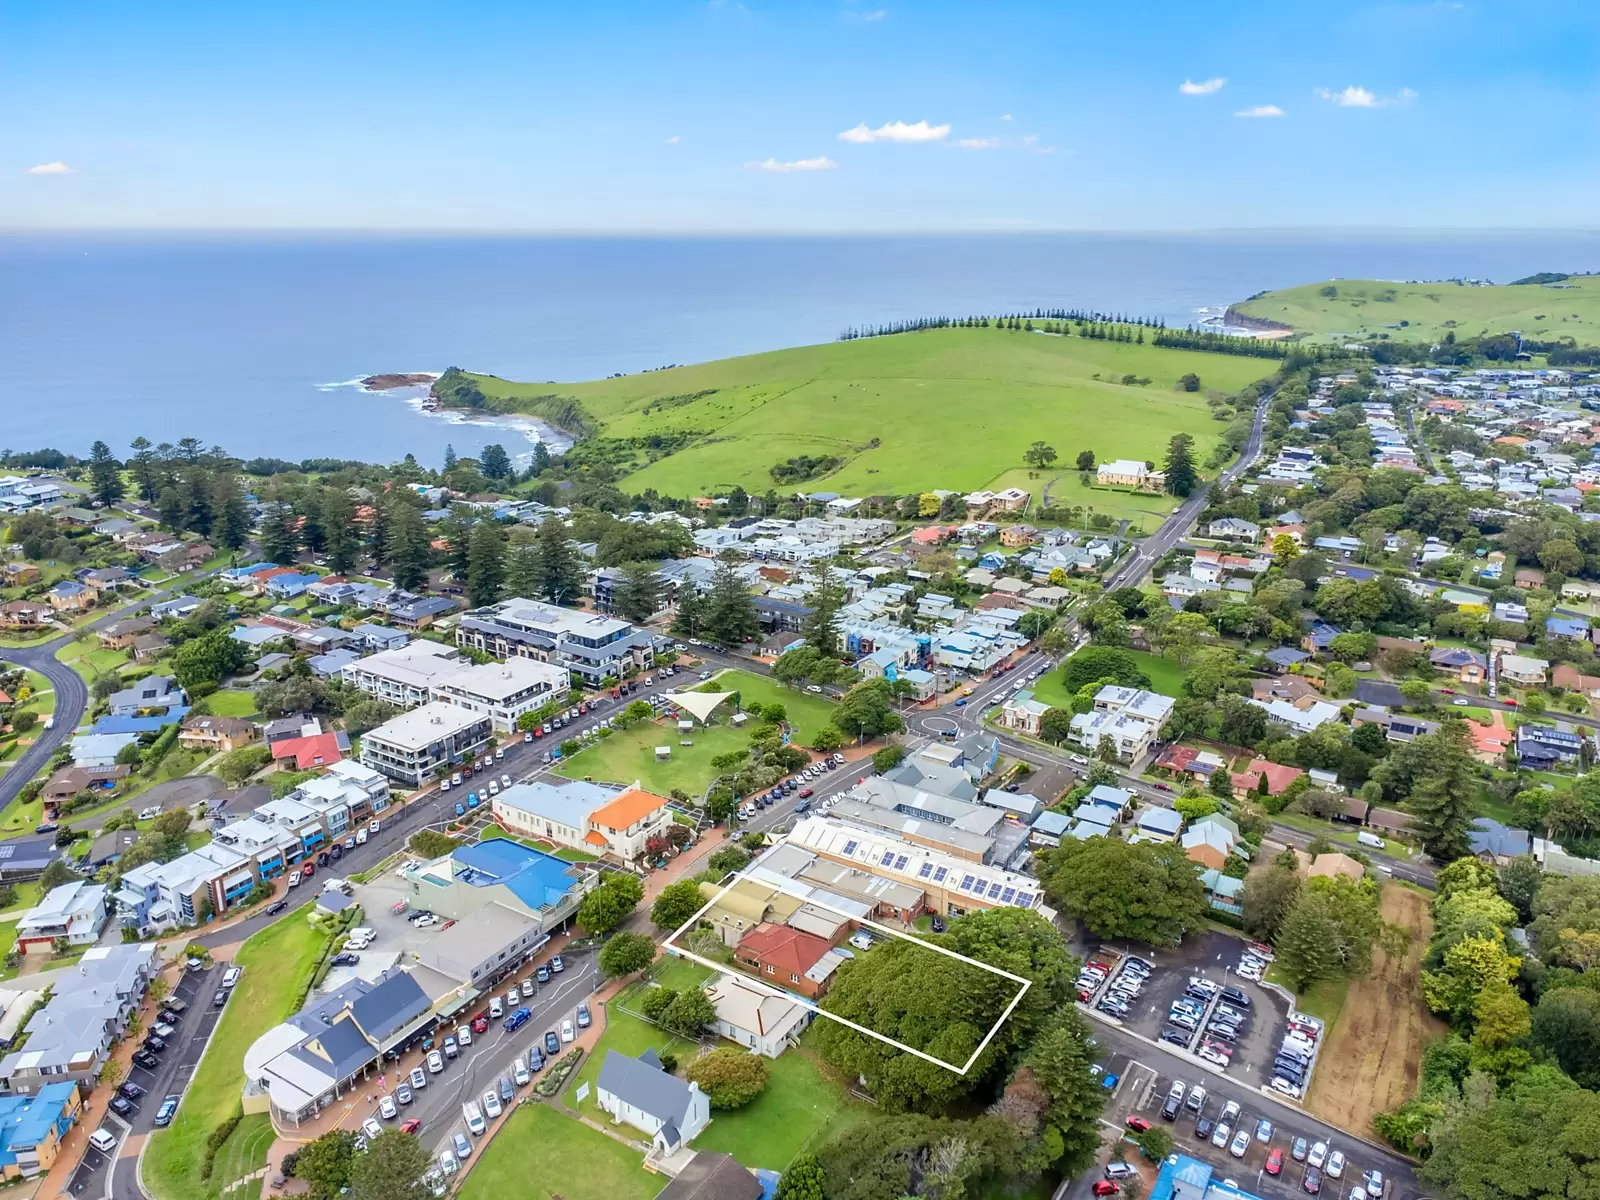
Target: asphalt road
pixel 1146 1071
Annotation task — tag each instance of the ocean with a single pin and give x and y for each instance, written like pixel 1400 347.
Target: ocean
pixel 256 342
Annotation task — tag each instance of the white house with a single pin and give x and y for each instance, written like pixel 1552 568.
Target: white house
pixel 637 1092
pixel 1023 712
pixel 755 1017
pixel 74 911
pixel 1128 472
pixel 1302 715
pixel 1131 717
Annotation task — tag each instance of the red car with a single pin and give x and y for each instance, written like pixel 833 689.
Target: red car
pixel 1138 1124
pixel 1510 703
pixel 1448 691
pixel 307 871
pixel 804 792
pixel 1274 1164
pixel 1104 1187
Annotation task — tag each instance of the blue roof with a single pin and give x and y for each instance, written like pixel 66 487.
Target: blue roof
pixel 252 569
pixel 26 1121
pixel 539 880
pixel 137 724
pixel 567 803
pixel 1567 626
pixel 1286 656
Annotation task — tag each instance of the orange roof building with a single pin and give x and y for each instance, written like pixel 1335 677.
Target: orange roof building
pixel 782 956
pixel 623 826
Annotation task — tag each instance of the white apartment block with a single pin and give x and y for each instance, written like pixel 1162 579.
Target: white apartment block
pixel 1131 717
pixel 416 746
pixel 404 677
pixel 503 691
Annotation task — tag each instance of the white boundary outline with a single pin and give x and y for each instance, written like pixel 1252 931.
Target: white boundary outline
pixel 768 881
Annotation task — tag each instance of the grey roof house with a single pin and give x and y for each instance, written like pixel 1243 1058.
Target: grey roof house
pixel 636 1091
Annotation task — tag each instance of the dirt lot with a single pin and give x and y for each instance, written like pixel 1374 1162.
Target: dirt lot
pixel 1374 1054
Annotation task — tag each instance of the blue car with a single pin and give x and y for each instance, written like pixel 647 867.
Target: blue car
pixel 461 810
pixel 1109 1082
pixel 472 799
pixel 518 1019
pixel 961 703
pixel 552 1044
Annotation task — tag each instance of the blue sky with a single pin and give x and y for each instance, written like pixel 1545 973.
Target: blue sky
pixel 727 116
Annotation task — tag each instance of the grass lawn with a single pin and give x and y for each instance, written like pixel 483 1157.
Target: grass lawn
pixel 1341 835
pixel 28 895
pixel 806 713
pixel 899 410
pixel 1145 510
pixel 541 1154
pixel 245 1150
pixel 1166 677
pixel 42 697
pixel 232 704
pixel 276 963
pixel 799 1108
pixel 676 973
pixel 631 754
pixel 89 659
pixel 1323 1000
pixel 631 1036
pixel 1362 306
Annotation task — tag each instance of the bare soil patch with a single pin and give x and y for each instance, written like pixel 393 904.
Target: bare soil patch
pixel 1373 1057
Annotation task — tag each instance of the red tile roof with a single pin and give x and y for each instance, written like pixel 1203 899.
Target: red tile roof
pixel 1279 776
pixel 787 949
pixel 319 750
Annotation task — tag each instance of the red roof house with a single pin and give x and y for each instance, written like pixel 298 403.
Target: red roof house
pixel 1279 777
pixel 319 750
pixel 782 956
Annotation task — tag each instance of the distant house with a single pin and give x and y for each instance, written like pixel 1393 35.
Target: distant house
pixel 1233 527
pixel 1128 472
pixel 1319 637
pixel 1023 712
pixel 1156 825
pixel 213 734
pixel 75 912
pixel 1523 670
pixel 1496 843
pixel 1540 747
pixel 1278 775
pixel 1210 840
pixel 1223 892
pixel 120 635
pixel 713 1176
pixel 151 692
pixel 70 596
pixel 1574 628
pixel 637 1092
pixel 1284 657
pixel 1332 865
pixel 177 608
pixel 1048 829
pixel 69 781
pixel 24 614
pixel 306 753
pixel 1468 666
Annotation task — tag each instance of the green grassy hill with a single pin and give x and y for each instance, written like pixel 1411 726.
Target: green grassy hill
pixel 951 408
pixel 1368 308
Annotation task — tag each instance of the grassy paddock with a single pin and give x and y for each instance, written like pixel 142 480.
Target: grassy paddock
pixel 949 408
pixel 276 963
pixel 232 704
pixel 630 755
pixel 540 1154
pixel 806 713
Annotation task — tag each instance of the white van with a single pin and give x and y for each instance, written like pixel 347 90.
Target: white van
pixel 1370 839
pixel 474 1119
pixel 231 976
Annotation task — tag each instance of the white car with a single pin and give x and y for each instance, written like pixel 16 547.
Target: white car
pixel 294 879
pixel 1374 1182
pixel 150 814
pixel 448 1163
pixel 388 1109
pixel 497 1007
pixel 444 785
pixel 566 1031
pixel 513 997
pixel 519 1072
pixel 1240 1143
pixel 464 1035
pixel 425 920
pixel 1318 1156
pixel 1336 1164
pixel 1219 1138
pixel 371 1128
pixel 435 1062
pixel 491 1105
pixel 505 781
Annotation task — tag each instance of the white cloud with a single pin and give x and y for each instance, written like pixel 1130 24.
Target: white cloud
pixel 673 140
pixel 1360 97
pixel 1005 116
pixel 820 163
pixel 896 131
pixel 1260 110
pixel 50 168
pixel 1190 88
pixel 984 143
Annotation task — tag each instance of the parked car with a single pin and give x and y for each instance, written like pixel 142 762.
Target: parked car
pixel 552 1043
pixel 462 1147
pixel 165 1113
pixel 435 1062
pixel 371 1128
pixel 518 1019
pixel 419 1078
pixel 584 1017
pixel 491 1105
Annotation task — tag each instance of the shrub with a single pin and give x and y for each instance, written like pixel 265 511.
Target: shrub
pixel 730 1078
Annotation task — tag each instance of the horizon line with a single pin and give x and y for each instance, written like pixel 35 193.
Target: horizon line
pixel 686 233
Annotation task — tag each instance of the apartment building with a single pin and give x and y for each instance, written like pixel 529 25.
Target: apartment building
pixel 503 691
pixel 69 1037
pixel 415 746
pixel 589 645
pixel 1131 717
pixel 404 676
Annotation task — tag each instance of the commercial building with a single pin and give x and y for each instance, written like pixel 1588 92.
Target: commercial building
pixel 502 872
pixel 589 645
pixel 415 746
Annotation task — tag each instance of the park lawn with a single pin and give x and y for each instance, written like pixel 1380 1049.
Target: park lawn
pixel 244 1152
pixel 276 962
pixel 1323 999
pixel 799 1108
pixel 28 895
pixel 629 1035
pixel 1145 510
pixel 1363 307
pixel 540 1154
pixel 232 704
pixel 806 714
pixel 631 755
pixel 1166 677
pixel 949 408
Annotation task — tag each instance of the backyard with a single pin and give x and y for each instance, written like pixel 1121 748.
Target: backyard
pixel 232 704
pixel 631 755
pixel 276 964
pixel 1166 677
pixel 629 1035
pixel 89 659
pixel 542 1155
pixel 806 713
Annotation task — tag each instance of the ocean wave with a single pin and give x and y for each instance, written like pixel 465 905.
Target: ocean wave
pixel 347 383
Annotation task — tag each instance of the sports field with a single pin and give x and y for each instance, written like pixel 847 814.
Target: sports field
pixel 1368 307
pixel 950 408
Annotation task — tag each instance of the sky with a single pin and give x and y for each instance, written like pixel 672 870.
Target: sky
pixel 739 116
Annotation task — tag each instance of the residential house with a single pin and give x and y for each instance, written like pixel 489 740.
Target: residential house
pixel 1210 840
pixel 1574 628
pixel 1331 864
pixel 99 749
pixel 1048 828
pixel 70 781
pixel 712 1176
pixel 1223 892
pixel 120 635
pixel 70 596
pixel 1156 824
pixel 1523 670
pixel 27 857
pixel 1132 718
pixel 151 692
pixel 74 912
pixel 588 645
pixel 1302 715
pixel 1283 658
pixel 177 608
pixel 147 647
pixel 638 1092
pixel 624 827
pixel 1233 527
pixel 106 580
pixel 1018 536
pixel 1397 727
pixel 1467 666
pixel 24 614
pixel 1541 747
pixel 1496 843
pixel 70 1036
pixel 33 1127
pixel 755 1017
pixel 1247 782
pixel 19 574
pixel 308 753
pixel 786 958
pixel 1319 637
pixel 214 735
pixel 1284 687
pixel 1198 764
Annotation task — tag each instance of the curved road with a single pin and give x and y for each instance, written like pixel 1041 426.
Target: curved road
pixel 71 694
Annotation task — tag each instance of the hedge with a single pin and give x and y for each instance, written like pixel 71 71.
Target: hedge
pixel 219 1135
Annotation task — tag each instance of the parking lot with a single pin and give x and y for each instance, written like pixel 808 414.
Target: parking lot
pixel 1211 957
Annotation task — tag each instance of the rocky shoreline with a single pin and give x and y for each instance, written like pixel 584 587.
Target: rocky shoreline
pixel 389 383
pixel 1260 324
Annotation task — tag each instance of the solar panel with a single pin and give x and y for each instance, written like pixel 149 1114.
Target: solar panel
pixel 938 876
pixel 888 857
pixel 7 850
pixel 900 863
pixel 994 891
pixel 1007 896
pixel 927 869
pixel 980 887
pixel 850 846
pixel 1025 899
pixel 966 883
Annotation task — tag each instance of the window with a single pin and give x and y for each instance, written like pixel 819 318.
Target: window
pixel 771 970
pixel 794 979
pixel 1007 896
pixel 980 887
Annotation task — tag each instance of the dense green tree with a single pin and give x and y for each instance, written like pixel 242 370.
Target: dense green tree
pixel 1061 1058
pixel 1444 798
pixel 1566 1025
pixel 1519 882
pixel 105 474
pixel 638 595
pixel 1182 477
pixel 690 610
pixel 730 616
pixel 228 517
pixel 826 598
pixel 1268 898
pixel 560 571
pixel 1150 893
pixel 326 1163
pixel 1056 724
pixel 625 953
pixel 802 1179
pixel 1039 456
pixel 208 659
pixel 143 464
pixel 486 564
pixel 1093 664
pixel 609 903
pixel 522 569
pixel 495 463
pixel 406 547
pixel 690 1012
pixel 341 540
pixel 392 1168
pixel 675 904
pixel 867 711
pixel 280 543
pixel 730 1077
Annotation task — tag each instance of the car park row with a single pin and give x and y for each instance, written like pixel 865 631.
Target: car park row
pixel 797 782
